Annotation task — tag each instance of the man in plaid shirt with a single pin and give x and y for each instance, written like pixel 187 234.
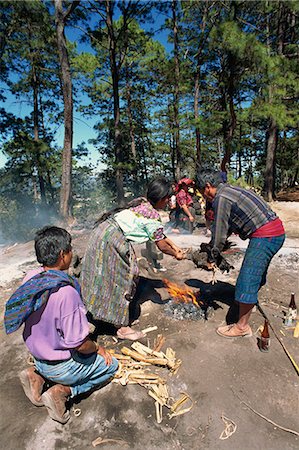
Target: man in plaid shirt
pixel 242 212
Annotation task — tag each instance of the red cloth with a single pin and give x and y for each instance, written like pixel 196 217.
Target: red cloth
pixel 186 181
pixel 270 229
pixel 183 198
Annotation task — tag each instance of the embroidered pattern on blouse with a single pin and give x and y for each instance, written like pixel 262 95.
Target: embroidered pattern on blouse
pixel 145 209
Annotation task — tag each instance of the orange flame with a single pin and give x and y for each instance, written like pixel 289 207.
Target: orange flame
pixel 180 294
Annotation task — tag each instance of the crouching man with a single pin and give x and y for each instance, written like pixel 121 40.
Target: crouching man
pixel 56 330
pixel 241 211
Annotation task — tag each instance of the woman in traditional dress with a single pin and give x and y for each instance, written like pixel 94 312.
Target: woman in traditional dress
pixel 184 204
pixel 109 271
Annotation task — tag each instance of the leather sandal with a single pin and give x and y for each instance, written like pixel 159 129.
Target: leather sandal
pixel 233 331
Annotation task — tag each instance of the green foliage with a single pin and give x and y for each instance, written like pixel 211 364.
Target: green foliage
pixel 242 54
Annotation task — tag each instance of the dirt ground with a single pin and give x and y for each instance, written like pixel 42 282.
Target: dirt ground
pixel 223 377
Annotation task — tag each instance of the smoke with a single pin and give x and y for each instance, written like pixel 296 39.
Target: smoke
pixel 20 220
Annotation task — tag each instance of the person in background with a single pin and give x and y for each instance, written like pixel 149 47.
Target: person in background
pixel 184 202
pixel 56 330
pixel 109 269
pixel 242 212
pixel 172 204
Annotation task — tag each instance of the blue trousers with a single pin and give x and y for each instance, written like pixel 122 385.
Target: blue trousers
pixel 81 373
pixel 252 276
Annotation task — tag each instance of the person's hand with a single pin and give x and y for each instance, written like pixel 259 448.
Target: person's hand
pixel 106 355
pixel 191 218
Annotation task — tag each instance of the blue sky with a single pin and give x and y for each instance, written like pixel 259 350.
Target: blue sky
pixel 83 127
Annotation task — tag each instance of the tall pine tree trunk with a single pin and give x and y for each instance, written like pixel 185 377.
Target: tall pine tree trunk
pixel 61 17
pixel 197 84
pixel 229 126
pixel 131 124
pixel 196 115
pixel 119 178
pixel 272 131
pixel 41 180
pixel 176 131
pixel 271 142
pixel 36 120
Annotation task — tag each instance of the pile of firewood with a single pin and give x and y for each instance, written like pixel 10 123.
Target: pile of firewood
pixel 135 367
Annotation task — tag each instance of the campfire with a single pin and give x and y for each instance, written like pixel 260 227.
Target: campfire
pixel 184 303
pixel 181 295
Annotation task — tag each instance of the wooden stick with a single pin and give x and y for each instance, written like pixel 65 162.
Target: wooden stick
pixel 270 421
pixel 280 341
pixel 159 343
pixel 138 357
pixel 149 329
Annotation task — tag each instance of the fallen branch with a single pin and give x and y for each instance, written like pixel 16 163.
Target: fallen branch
pixel 100 441
pixel 270 421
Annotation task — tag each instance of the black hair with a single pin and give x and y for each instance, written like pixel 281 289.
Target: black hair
pixel 48 243
pixel 157 189
pixel 208 175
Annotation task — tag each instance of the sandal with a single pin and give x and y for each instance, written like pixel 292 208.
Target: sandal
pixel 131 335
pixel 233 331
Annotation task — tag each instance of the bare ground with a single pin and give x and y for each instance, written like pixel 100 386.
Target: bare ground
pixel 218 374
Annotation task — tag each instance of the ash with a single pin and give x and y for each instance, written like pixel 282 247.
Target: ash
pixel 186 311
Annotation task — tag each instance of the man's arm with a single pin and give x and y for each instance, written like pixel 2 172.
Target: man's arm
pixel 220 227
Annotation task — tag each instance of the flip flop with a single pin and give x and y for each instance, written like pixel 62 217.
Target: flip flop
pixel 131 335
pixel 233 331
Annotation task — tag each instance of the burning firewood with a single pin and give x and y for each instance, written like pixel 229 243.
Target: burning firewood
pixel 181 294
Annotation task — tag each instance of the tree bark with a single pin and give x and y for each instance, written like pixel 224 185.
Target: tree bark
pixel 176 131
pixel 41 180
pixel 131 124
pixel 272 131
pixel 116 106
pixel 271 142
pixel 229 126
pixel 61 17
pixel 196 115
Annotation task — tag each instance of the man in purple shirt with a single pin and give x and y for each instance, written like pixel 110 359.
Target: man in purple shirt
pixel 56 332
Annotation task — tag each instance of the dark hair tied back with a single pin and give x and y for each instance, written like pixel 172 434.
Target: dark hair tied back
pixel 157 189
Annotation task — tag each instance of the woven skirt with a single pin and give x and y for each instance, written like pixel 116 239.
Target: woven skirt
pixel 109 274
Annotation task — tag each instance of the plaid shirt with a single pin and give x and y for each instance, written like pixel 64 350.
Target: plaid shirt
pixel 238 211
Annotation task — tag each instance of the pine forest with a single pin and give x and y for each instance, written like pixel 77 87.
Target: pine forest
pixel 166 86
